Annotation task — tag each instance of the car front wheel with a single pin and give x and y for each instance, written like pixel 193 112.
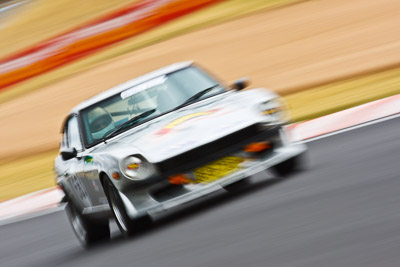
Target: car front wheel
pixel 126 225
pixel 89 232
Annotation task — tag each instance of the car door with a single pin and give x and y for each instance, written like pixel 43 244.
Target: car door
pixel 92 182
pixel 72 171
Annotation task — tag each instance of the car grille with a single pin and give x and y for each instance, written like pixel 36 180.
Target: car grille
pixel 217 149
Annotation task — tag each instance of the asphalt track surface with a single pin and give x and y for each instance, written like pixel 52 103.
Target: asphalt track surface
pixel 343 211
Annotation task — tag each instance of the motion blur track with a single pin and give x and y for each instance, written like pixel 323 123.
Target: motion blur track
pixel 343 211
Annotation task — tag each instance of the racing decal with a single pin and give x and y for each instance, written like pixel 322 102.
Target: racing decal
pixel 79 189
pixel 182 120
pixel 88 160
pixel 95 186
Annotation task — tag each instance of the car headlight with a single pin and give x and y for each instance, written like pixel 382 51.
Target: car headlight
pixel 136 168
pixel 275 110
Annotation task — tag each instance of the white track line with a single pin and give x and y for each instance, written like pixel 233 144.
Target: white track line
pixel 351 128
pixel 33 202
pixel 33 215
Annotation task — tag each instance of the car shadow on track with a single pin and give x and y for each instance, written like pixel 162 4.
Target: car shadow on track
pixel 205 204
pixel 76 254
pixel 195 208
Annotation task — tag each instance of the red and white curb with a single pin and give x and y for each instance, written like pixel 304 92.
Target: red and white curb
pixel 39 202
pixel 345 119
pixel 31 203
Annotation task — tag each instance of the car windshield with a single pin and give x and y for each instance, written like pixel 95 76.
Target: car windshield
pixel 163 93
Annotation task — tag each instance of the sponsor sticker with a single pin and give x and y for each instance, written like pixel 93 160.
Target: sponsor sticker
pixel 88 160
pixel 184 119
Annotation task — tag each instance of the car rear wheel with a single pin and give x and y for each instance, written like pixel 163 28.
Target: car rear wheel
pixel 290 166
pixel 238 185
pixel 88 232
pixel 126 225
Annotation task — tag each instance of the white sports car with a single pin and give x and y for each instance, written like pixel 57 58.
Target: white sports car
pixel 164 139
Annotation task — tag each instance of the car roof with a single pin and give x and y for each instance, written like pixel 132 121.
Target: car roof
pixel 122 87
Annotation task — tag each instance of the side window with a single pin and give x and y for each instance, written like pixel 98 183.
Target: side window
pixel 73 137
pixel 64 142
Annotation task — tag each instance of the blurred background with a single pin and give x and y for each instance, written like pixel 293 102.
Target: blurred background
pixel 322 56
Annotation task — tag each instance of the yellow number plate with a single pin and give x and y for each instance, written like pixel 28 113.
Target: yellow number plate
pixel 217 169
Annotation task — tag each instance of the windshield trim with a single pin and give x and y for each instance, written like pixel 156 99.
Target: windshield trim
pixel 87 146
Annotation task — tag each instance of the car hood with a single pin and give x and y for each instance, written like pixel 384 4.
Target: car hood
pixel 194 125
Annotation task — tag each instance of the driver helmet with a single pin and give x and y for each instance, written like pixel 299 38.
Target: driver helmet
pixel 100 122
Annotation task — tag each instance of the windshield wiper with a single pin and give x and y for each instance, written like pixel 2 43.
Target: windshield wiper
pixel 128 123
pixel 196 96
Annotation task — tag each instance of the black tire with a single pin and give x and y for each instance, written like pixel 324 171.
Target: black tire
pixel 126 225
pixel 88 232
pixel 290 166
pixel 238 185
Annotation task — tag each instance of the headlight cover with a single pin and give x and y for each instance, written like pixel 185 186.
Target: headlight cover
pixel 136 168
pixel 275 110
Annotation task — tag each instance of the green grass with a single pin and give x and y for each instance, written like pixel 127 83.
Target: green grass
pixel 333 97
pixel 26 175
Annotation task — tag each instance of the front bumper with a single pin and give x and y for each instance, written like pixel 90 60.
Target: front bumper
pixel 141 203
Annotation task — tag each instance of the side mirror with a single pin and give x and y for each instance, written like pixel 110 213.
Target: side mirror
pixel 240 83
pixel 69 153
